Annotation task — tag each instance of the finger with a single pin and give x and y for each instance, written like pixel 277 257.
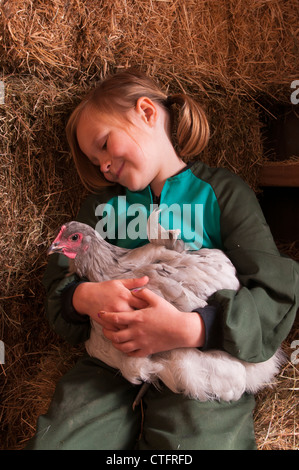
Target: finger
pixel 146 295
pixel 118 337
pixel 107 323
pixel 133 283
pixel 110 327
pixel 128 348
pixel 115 319
pixel 136 303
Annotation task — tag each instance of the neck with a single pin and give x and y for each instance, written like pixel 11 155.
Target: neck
pixel 171 167
pixel 99 261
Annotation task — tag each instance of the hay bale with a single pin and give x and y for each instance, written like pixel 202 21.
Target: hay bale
pixel 236 57
pixel 37 190
pixel 276 412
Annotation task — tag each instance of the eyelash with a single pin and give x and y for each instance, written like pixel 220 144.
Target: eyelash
pixel 104 146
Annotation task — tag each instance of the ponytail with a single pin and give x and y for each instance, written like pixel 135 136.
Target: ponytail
pixel 192 128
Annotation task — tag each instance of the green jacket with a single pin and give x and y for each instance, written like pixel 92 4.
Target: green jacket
pixel 253 321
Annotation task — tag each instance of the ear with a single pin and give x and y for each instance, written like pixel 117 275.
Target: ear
pixel 147 109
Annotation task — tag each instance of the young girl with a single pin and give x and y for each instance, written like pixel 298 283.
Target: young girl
pixel 121 140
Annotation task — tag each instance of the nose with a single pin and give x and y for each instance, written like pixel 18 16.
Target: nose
pixel 105 166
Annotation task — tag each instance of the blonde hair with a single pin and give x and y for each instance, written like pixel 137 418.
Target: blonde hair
pixel 119 93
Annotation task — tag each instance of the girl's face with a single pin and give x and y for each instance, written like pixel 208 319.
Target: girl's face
pixel 126 153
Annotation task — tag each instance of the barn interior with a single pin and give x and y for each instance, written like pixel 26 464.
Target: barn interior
pixel 238 58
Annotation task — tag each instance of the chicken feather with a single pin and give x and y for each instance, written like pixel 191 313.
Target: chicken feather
pixel 187 280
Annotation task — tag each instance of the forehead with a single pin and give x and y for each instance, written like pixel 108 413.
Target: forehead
pixel 91 120
pixel 93 125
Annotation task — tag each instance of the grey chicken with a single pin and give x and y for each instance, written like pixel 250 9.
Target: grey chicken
pixel 184 278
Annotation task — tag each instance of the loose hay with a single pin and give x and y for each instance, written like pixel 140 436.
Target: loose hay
pixel 276 413
pixel 237 57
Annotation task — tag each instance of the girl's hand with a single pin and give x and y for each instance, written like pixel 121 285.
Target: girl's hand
pixel 91 297
pixel 155 328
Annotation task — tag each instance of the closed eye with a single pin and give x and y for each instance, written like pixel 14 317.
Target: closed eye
pixel 102 142
pixel 104 146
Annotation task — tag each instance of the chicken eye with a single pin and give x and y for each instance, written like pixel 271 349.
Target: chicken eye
pixel 74 237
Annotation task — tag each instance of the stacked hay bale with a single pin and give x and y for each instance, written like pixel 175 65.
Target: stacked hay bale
pixel 236 57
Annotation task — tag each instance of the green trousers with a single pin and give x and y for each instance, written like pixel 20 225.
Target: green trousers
pixel 92 410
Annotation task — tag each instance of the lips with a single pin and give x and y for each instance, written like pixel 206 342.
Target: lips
pixel 112 175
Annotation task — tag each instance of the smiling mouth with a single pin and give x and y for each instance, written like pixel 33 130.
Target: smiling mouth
pixel 112 176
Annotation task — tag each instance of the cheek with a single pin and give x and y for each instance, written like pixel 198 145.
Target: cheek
pixel 122 149
pixel 74 245
pixel 124 145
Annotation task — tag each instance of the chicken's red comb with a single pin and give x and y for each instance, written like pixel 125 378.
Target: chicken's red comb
pixel 57 239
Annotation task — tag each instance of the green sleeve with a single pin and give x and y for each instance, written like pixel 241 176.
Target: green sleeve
pixel 56 278
pixel 257 318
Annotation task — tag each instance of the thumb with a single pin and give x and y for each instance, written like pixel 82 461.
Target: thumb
pixel 135 283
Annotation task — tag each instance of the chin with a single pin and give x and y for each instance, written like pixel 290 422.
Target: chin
pixel 134 186
pixel 133 189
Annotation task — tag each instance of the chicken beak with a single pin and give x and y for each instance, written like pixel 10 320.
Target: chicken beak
pixel 54 248
pixel 56 245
